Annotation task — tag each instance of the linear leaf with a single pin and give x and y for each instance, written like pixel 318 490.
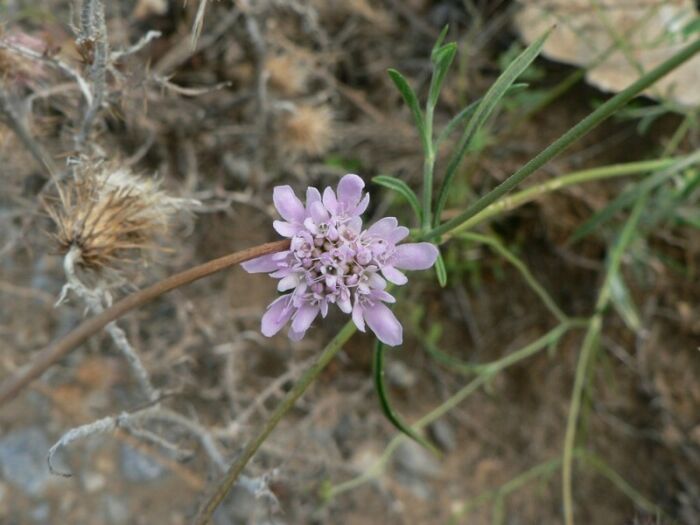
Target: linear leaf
pixel 483 112
pixel 467 112
pixel 438 42
pixel 401 188
pixel 623 303
pixel 594 119
pixel 628 197
pixel 443 61
pixel 409 96
pixel 378 372
pixel 441 271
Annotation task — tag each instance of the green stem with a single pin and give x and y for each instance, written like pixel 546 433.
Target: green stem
pixel 287 403
pixel 510 202
pixel 486 372
pixel 680 133
pixel 621 483
pixel 571 136
pixel 428 167
pixel 504 252
pixel 543 469
pixel 548 467
pixel 587 352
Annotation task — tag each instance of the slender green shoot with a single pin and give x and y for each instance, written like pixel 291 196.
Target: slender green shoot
pixel 588 348
pixel 486 107
pixel 593 120
pixel 387 409
pixel 511 202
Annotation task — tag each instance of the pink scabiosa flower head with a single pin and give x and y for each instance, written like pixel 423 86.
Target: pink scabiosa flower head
pixel 333 261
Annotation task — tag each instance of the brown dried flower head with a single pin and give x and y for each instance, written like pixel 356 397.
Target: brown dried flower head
pixel 306 131
pixel 111 215
pixel 288 74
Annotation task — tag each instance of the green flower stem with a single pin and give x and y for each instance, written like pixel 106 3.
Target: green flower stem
pixel 428 168
pixel 235 470
pixel 588 348
pixel 536 287
pixel 579 130
pixel 486 373
pixel 546 469
pixel 510 202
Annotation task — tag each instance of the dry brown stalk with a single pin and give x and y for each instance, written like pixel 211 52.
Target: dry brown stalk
pixel 59 349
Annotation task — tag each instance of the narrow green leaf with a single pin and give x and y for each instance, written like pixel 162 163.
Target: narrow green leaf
pixel 692 27
pixel 443 61
pixel 627 198
pixel 409 96
pixel 467 112
pixel 622 301
pixel 491 99
pixel 581 129
pixel 438 42
pixel 441 271
pixel 401 188
pixel 378 372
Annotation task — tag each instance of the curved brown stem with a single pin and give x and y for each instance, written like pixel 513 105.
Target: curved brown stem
pixel 59 349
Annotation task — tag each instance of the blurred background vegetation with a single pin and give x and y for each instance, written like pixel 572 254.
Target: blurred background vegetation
pixel 235 97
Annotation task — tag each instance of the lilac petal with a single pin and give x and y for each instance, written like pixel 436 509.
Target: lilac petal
pixel 415 256
pixel 287 203
pixel 304 317
pixel 319 213
pixel 355 224
pixel 330 201
pixel 310 225
pixel 350 190
pixel 360 209
pixel 384 324
pixel 312 195
pixel 296 336
pixel 277 315
pixel 345 305
pixel 393 275
pixel 288 282
pixel 376 282
pixel 384 296
pixel 383 227
pixel 398 235
pixel 357 316
pixel 285 229
pixel 263 264
pixel 282 272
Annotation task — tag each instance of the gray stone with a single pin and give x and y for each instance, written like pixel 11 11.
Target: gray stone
pixel 23 460
pixel 400 375
pixel 238 508
pixel 414 460
pixel 116 512
pixel 41 513
pixel 443 435
pixel 138 467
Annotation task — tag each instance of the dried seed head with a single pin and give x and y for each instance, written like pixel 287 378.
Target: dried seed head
pixel 112 216
pixel 306 131
pixel 288 75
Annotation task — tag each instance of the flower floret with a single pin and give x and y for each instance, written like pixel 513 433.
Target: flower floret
pixel 331 260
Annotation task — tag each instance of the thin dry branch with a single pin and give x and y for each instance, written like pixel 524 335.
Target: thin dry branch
pixel 15 122
pixel 59 349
